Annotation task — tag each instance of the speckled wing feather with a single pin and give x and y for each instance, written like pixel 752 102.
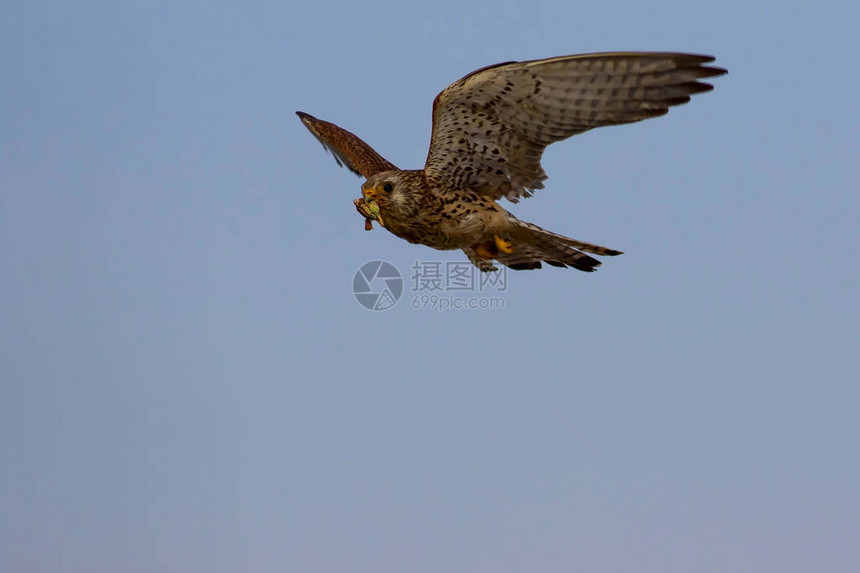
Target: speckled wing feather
pixel 491 127
pixel 348 149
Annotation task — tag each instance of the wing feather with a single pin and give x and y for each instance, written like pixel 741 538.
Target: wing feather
pixel 490 128
pixel 347 148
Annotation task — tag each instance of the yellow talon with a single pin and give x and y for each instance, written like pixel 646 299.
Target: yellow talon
pixel 484 251
pixel 503 245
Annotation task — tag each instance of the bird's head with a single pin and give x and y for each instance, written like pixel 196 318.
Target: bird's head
pixel 393 191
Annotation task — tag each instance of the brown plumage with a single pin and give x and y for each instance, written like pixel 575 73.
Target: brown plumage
pixel 490 129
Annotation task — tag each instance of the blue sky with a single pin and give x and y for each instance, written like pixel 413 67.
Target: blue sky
pixel 188 383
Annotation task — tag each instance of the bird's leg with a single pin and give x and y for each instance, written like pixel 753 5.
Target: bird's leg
pixel 503 245
pixel 486 250
pixel 491 249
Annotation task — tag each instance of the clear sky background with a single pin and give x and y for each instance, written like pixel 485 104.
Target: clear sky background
pixel 189 385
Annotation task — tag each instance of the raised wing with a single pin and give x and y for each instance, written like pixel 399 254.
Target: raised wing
pixel 347 148
pixel 491 127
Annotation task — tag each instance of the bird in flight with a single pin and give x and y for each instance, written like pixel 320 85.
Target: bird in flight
pixel 490 129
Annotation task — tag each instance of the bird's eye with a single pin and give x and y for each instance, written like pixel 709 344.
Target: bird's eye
pixel 388 187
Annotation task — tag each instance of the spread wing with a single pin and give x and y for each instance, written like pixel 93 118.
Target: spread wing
pixel 490 128
pixel 347 148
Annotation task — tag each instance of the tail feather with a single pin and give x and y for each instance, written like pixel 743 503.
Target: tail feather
pixel 534 245
pixel 582 246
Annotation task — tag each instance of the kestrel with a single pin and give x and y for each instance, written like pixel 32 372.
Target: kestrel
pixel 490 129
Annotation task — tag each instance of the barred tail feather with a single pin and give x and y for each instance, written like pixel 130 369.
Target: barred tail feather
pixel 534 245
pixel 582 246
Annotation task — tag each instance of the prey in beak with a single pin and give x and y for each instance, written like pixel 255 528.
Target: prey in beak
pixel 369 210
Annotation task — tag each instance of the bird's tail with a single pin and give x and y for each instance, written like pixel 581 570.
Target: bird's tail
pixel 532 245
